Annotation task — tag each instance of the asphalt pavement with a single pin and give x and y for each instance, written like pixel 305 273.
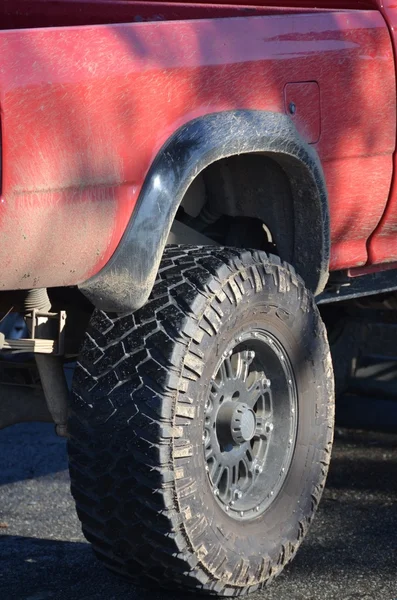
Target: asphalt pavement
pixel 349 554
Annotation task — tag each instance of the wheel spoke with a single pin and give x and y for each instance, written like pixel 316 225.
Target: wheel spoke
pixel 244 472
pixel 223 373
pixel 215 388
pixel 225 485
pixel 256 391
pixel 260 428
pixel 209 452
pixel 253 394
pixel 248 454
pixel 217 474
pixel 268 404
pixel 234 476
pixel 243 362
pixel 229 368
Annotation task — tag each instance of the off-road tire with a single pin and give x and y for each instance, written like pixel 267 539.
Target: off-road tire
pixel 136 453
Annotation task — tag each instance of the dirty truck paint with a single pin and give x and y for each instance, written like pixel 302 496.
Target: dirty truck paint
pixel 86 109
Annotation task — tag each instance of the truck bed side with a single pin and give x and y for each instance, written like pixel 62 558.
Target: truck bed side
pixel 84 111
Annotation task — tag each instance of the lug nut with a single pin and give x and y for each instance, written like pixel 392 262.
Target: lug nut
pixel 269 427
pixel 216 492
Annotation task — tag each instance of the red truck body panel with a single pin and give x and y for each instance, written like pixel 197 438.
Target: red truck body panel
pixel 84 110
pixel 382 245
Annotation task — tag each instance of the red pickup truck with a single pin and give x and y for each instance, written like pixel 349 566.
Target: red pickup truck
pixel 184 186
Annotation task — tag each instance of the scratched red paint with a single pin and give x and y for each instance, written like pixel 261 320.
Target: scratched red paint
pixel 85 109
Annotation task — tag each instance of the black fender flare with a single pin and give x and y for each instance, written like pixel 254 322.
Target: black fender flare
pixel 125 282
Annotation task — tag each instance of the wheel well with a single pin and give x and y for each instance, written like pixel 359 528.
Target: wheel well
pixel 244 201
pixel 271 146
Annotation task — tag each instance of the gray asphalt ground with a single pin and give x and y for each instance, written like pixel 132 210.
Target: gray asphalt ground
pixel 350 553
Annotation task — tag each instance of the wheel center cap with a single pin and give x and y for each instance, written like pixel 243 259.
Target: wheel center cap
pixel 243 423
pixel 236 423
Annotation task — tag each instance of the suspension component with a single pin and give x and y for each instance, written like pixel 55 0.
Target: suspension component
pixel 53 344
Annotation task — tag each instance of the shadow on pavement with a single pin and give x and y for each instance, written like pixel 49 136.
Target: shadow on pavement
pixel 29 451
pixel 39 569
